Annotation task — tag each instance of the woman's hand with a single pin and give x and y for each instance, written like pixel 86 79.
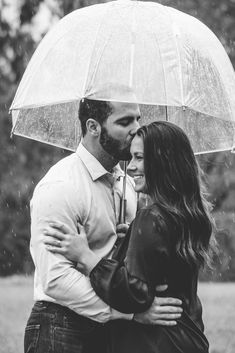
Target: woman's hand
pixel 122 229
pixel 60 239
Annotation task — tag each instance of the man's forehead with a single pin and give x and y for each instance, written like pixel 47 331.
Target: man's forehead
pixel 125 109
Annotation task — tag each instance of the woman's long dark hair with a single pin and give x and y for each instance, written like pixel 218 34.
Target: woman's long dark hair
pixel 173 182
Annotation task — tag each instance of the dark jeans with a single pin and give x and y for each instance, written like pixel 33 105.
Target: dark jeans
pixel 52 328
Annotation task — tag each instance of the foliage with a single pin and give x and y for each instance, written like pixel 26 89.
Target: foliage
pixel 24 162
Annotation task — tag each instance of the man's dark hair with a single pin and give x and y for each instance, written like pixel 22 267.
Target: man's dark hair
pixel 93 109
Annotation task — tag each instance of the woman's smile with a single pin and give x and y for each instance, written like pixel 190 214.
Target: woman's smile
pixel 136 166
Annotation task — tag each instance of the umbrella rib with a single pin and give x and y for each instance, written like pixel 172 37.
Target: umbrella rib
pixel 92 51
pixel 133 39
pixel 37 64
pixel 47 142
pixel 105 44
pixel 176 33
pixel 97 62
pixel 162 62
pixel 39 105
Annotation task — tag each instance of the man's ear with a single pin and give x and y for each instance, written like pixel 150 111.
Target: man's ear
pixel 93 127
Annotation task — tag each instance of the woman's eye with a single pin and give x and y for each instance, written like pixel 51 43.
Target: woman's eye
pixel 139 158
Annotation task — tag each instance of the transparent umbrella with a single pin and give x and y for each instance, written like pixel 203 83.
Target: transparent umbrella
pixel 175 66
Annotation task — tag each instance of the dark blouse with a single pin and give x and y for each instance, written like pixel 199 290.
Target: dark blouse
pixel 145 259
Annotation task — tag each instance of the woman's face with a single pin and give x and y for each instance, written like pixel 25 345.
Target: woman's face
pixel 136 165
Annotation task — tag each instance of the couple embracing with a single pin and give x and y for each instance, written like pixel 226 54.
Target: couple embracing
pixel 94 294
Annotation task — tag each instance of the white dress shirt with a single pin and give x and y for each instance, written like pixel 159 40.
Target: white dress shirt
pixel 77 190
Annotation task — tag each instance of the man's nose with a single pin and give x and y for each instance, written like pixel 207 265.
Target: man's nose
pixel 134 128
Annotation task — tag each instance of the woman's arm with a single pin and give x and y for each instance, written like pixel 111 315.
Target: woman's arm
pixel 120 282
pixel 129 286
pixel 60 239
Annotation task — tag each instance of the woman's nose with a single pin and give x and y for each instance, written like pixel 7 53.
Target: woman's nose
pixel 131 168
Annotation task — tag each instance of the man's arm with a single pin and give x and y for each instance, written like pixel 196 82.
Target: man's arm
pixel 56 276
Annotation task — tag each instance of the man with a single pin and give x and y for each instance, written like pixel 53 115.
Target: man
pixel 84 188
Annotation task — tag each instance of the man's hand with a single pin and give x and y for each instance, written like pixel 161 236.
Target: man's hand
pixel 164 311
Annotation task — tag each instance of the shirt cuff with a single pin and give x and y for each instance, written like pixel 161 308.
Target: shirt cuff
pixel 117 315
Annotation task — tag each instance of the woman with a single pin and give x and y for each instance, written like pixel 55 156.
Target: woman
pixel 167 242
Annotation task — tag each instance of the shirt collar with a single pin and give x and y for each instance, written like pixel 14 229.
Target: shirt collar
pixel 94 167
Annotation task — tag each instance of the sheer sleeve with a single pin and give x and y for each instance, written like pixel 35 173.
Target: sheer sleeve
pixel 128 285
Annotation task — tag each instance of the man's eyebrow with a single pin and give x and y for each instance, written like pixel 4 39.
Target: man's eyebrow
pixel 128 118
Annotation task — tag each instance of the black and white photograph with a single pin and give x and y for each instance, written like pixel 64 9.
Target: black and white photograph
pixel 117 176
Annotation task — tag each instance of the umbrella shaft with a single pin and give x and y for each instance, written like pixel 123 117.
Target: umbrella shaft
pixel 122 216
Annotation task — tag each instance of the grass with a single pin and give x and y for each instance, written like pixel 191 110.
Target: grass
pixel 218 301
pixel 16 299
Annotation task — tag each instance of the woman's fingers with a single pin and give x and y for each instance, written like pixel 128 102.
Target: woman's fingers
pixel 52 232
pixel 55 250
pixel 60 226
pixel 122 227
pixel 52 242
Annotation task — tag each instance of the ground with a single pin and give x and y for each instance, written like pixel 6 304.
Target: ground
pixel 218 300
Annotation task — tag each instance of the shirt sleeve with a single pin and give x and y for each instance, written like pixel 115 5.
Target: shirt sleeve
pixel 129 285
pixel 55 276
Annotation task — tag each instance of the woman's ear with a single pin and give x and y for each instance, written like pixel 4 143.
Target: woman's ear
pixel 93 127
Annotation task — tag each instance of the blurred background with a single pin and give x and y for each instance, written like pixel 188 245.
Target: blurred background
pixel 23 162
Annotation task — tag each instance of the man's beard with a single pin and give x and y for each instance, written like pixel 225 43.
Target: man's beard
pixel 113 146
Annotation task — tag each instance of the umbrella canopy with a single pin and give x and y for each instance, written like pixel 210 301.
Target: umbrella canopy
pixel 175 66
